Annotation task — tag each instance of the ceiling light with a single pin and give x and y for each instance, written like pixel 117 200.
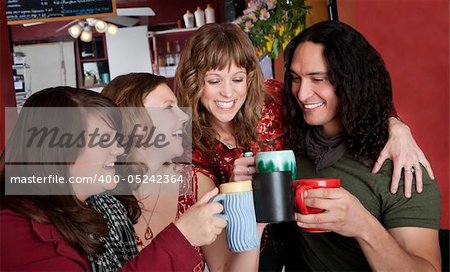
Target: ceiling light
pixel 75 30
pixel 101 26
pixel 86 35
pixel 112 29
pixel 91 21
pixel 83 28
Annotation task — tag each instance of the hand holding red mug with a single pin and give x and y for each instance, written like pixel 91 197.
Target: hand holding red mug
pixel 331 209
pixel 302 186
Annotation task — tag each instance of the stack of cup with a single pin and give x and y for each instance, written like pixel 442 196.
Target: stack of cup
pixel 188 18
pixel 199 17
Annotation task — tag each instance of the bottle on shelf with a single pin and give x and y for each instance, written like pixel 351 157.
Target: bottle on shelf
pixel 199 17
pixel 170 60
pixel 229 10
pixel 188 18
pixel 161 56
pixel 209 14
pixel 177 52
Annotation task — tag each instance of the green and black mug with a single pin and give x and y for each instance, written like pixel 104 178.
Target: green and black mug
pixel 276 161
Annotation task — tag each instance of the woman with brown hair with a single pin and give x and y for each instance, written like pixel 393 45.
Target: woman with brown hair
pixel 219 77
pixel 151 111
pixel 62 153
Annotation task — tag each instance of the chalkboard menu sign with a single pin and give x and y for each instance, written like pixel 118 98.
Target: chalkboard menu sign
pixel 28 11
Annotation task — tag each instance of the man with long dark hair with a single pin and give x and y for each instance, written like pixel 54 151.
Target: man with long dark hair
pixel 339 101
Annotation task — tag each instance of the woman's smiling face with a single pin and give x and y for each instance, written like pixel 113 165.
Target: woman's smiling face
pixel 224 93
pixel 168 120
pixel 96 162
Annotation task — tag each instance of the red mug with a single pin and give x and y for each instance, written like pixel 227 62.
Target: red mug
pixel 301 185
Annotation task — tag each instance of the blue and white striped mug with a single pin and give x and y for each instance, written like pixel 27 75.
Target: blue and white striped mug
pixel 239 211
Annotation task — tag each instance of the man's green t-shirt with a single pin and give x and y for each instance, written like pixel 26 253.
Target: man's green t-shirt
pixel 333 252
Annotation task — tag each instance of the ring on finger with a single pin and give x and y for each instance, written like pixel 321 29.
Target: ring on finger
pixel 410 171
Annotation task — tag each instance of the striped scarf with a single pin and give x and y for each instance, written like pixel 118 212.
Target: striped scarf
pixel 120 242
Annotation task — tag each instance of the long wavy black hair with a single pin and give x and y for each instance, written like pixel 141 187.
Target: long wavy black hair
pixel 361 81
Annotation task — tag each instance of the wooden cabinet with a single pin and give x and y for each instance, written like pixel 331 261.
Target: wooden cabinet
pixel 92 62
pixel 21 75
pixel 166 47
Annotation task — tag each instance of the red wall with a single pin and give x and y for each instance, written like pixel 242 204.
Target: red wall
pixel 7 93
pixel 413 38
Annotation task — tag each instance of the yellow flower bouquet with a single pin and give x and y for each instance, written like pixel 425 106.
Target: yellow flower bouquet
pixel 271 24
